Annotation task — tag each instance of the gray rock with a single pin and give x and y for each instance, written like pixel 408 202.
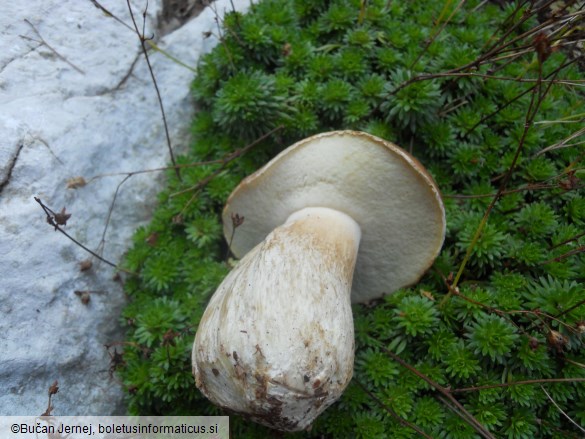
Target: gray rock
pixel 76 99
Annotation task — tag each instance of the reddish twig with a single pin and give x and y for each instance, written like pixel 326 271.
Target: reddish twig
pixel 518 383
pixel 392 413
pixel 434 37
pixel 51 220
pixel 51 48
pixel 225 161
pixel 445 392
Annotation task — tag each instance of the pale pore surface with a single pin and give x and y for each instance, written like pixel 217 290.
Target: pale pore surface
pixel 385 190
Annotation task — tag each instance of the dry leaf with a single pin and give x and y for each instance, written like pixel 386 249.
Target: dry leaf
pixel 152 239
pixel 54 388
pixel 85 265
pixel 427 294
pixel 76 183
pixel 62 217
pixel 84 296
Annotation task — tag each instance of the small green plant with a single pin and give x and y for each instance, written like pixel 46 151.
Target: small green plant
pixel 497 325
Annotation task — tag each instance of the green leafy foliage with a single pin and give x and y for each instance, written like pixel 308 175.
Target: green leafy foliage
pixel 517 313
pixel 416 315
pixel 410 106
pixel 492 336
pixel 245 100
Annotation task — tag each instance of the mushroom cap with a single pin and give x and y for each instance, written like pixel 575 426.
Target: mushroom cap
pixel 383 188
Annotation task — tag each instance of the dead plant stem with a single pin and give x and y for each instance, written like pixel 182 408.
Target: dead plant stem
pixel 50 215
pixel 437 33
pixel 201 184
pixel 482 59
pixel 150 43
pixel 537 96
pixel 51 48
pixel 445 392
pixel 225 161
pixel 143 39
pixel 392 413
pixel 518 383
pixel 102 243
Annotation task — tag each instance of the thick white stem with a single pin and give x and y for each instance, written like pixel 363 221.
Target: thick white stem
pixel 276 341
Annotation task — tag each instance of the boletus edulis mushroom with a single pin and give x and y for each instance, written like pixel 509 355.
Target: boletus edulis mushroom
pixel 337 218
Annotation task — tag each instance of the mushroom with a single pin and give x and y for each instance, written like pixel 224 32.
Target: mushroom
pixel 339 218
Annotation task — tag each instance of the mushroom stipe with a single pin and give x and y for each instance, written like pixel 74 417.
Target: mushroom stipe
pixel 337 218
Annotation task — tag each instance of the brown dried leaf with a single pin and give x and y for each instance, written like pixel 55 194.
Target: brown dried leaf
pixel 542 47
pixel 116 361
pixel 54 388
pixel 557 340
pixel 427 294
pixel 237 220
pixel 169 338
pixel 76 183
pixel 152 239
pixel 85 265
pixel 571 182
pixel 84 296
pixel 62 217
pixel 286 49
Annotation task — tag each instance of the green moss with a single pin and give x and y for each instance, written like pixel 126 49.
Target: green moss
pixel 311 66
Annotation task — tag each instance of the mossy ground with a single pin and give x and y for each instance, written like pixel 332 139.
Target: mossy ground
pixel 313 66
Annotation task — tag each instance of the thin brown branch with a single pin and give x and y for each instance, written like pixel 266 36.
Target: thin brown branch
pixel 561 410
pixel 501 26
pixel 454 290
pixel 44 142
pixel 201 184
pixel 163 168
pixel 536 100
pixel 496 49
pixel 143 40
pixel 452 106
pixel 520 95
pixel 562 143
pixel 149 42
pixel 109 14
pixel 51 220
pixel 435 36
pixel 102 243
pixel 392 413
pixel 565 255
pixel 218 22
pixel 530 187
pixel 574 238
pixel 445 392
pixel 53 390
pixel 518 383
pixel 515 53
pixel 225 161
pixel 51 48
pixel 568 310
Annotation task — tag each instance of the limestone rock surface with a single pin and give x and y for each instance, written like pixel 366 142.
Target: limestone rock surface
pixel 76 100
